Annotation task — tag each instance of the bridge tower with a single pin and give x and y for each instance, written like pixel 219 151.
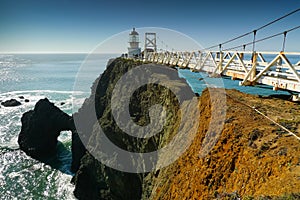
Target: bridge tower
pixel 133 49
pixel 150 43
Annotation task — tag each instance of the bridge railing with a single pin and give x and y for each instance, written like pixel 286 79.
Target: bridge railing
pixel 278 69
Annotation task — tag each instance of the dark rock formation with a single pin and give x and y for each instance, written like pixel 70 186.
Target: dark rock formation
pixel 26 100
pixel 78 150
pixel 21 97
pixel 85 129
pixel 94 180
pixel 41 127
pixel 10 103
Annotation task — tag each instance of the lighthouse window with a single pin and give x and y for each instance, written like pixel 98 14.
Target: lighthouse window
pixel 133 38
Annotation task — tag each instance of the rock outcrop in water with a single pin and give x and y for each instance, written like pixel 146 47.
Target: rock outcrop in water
pixel 41 127
pixel 10 103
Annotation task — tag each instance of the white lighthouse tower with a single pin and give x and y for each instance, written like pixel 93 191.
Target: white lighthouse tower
pixel 133 49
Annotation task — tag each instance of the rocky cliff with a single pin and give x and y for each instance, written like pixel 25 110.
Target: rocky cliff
pixel 252 158
pixel 95 180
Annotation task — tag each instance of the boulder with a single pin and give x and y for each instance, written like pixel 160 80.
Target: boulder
pixel 26 100
pixel 10 103
pixel 41 127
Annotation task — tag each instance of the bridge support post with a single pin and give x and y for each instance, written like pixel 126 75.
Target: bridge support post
pixel 150 43
pixel 220 64
pixel 250 77
pixel 253 69
pixel 242 56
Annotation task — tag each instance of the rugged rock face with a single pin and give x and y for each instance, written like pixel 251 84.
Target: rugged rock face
pixel 41 127
pixel 252 158
pixel 78 151
pixel 10 103
pixel 97 181
pixel 84 129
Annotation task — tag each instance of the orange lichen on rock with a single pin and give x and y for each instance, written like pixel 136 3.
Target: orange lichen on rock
pixel 252 157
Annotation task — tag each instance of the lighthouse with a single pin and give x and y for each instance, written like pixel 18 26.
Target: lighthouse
pixel 133 49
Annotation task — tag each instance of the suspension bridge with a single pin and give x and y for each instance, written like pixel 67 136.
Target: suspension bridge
pixel 280 70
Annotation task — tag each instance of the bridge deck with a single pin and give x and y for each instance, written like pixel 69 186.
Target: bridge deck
pixel 281 70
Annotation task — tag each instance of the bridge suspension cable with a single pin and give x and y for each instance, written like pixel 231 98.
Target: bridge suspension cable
pixel 164 44
pixel 266 38
pixel 254 31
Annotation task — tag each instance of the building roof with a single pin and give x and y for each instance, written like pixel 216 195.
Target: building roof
pixel 133 32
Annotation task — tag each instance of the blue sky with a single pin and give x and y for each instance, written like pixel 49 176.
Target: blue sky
pixel 79 26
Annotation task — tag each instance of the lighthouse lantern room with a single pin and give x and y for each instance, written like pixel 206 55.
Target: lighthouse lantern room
pixel 133 49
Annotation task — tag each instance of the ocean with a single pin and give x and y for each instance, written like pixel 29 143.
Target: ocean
pixel 36 76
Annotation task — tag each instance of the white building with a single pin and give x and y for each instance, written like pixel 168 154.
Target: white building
pixel 133 49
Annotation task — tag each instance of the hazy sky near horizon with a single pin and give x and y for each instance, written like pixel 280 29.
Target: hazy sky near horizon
pixel 79 26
